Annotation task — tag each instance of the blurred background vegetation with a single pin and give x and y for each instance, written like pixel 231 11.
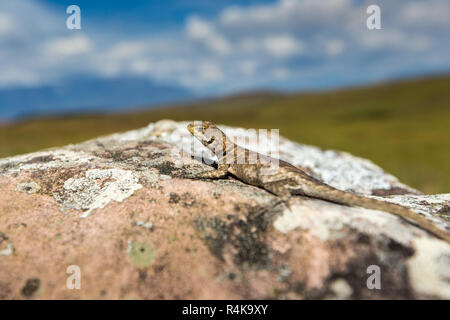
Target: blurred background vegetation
pixel 402 126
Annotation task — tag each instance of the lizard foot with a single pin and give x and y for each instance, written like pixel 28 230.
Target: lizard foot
pixel 283 201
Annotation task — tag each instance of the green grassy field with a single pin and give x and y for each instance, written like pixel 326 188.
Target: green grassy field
pixel 404 127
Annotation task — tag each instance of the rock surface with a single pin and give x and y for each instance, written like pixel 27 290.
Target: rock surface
pixel 125 210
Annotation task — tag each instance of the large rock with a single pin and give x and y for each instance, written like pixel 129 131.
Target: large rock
pixel 127 211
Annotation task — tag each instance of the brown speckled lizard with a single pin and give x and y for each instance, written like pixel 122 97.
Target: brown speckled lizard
pixel 285 180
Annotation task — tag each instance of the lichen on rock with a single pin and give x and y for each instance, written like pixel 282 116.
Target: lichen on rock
pixel 96 189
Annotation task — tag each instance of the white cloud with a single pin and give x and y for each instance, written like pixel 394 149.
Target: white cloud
pixel 335 47
pixel 199 29
pixel 282 46
pixel 241 47
pixel 285 14
pixel 248 67
pixel 280 73
pixel 426 13
pixel 19 76
pixel 141 66
pixel 219 45
pixel 210 71
pixel 204 32
pixel 68 46
pixel 126 50
pixel 236 15
pixel 249 45
pixel 396 39
pixel 6 24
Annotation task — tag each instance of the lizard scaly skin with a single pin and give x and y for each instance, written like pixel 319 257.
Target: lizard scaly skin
pixel 284 179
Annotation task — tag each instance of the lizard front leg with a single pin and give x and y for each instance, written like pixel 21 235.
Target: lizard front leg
pixel 220 173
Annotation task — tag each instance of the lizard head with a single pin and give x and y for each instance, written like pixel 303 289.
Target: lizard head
pixel 208 134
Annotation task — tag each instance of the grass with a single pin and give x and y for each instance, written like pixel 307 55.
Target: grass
pixel 404 127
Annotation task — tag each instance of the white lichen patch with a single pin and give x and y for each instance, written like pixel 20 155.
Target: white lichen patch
pixel 163 128
pixel 429 268
pixel 28 187
pixel 132 135
pixel 150 176
pixel 97 189
pixel 56 159
pixel 7 251
pixel 146 225
pixel 329 221
pixel 341 290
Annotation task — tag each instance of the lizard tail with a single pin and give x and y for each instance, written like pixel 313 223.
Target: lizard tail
pixel 352 199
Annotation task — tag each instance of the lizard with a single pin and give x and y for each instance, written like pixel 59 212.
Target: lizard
pixel 285 180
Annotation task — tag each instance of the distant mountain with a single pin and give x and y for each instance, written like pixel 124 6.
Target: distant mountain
pixel 84 94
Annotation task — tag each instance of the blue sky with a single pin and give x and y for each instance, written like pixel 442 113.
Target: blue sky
pixel 223 46
pixel 151 14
